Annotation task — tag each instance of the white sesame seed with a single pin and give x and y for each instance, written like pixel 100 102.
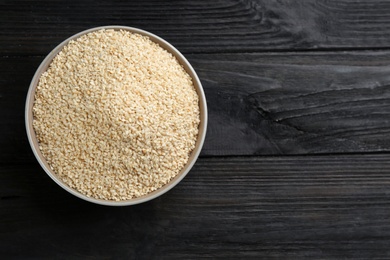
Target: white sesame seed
pixel 116 116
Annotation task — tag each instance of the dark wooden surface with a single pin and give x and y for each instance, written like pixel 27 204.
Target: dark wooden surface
pixel 296 162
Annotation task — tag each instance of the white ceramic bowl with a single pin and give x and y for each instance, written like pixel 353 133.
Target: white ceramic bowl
pixel 195 153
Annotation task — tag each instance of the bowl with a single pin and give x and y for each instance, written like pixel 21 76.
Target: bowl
pixel 193 157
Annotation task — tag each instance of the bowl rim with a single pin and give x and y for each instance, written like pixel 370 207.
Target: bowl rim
pixel 194 154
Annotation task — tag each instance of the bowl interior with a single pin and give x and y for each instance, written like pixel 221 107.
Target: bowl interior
pixel 194 155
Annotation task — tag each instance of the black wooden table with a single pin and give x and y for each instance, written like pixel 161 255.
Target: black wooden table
pixel 296 162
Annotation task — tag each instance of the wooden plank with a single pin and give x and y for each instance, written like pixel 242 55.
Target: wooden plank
pixel 36 27
pixel 319 207
pixel 17 74
pixel 296 103
pixel 259 104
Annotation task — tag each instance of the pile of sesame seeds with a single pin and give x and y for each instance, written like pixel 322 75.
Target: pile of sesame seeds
pixel 116 115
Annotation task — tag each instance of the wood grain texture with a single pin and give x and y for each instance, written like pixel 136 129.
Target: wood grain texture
pixel 288 80
pixel 16 76
pixel 319 207
pixel 36 27
pixel 296 103
pixel 259 104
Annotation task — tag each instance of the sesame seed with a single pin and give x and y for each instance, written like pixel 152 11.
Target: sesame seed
pixel 116 115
